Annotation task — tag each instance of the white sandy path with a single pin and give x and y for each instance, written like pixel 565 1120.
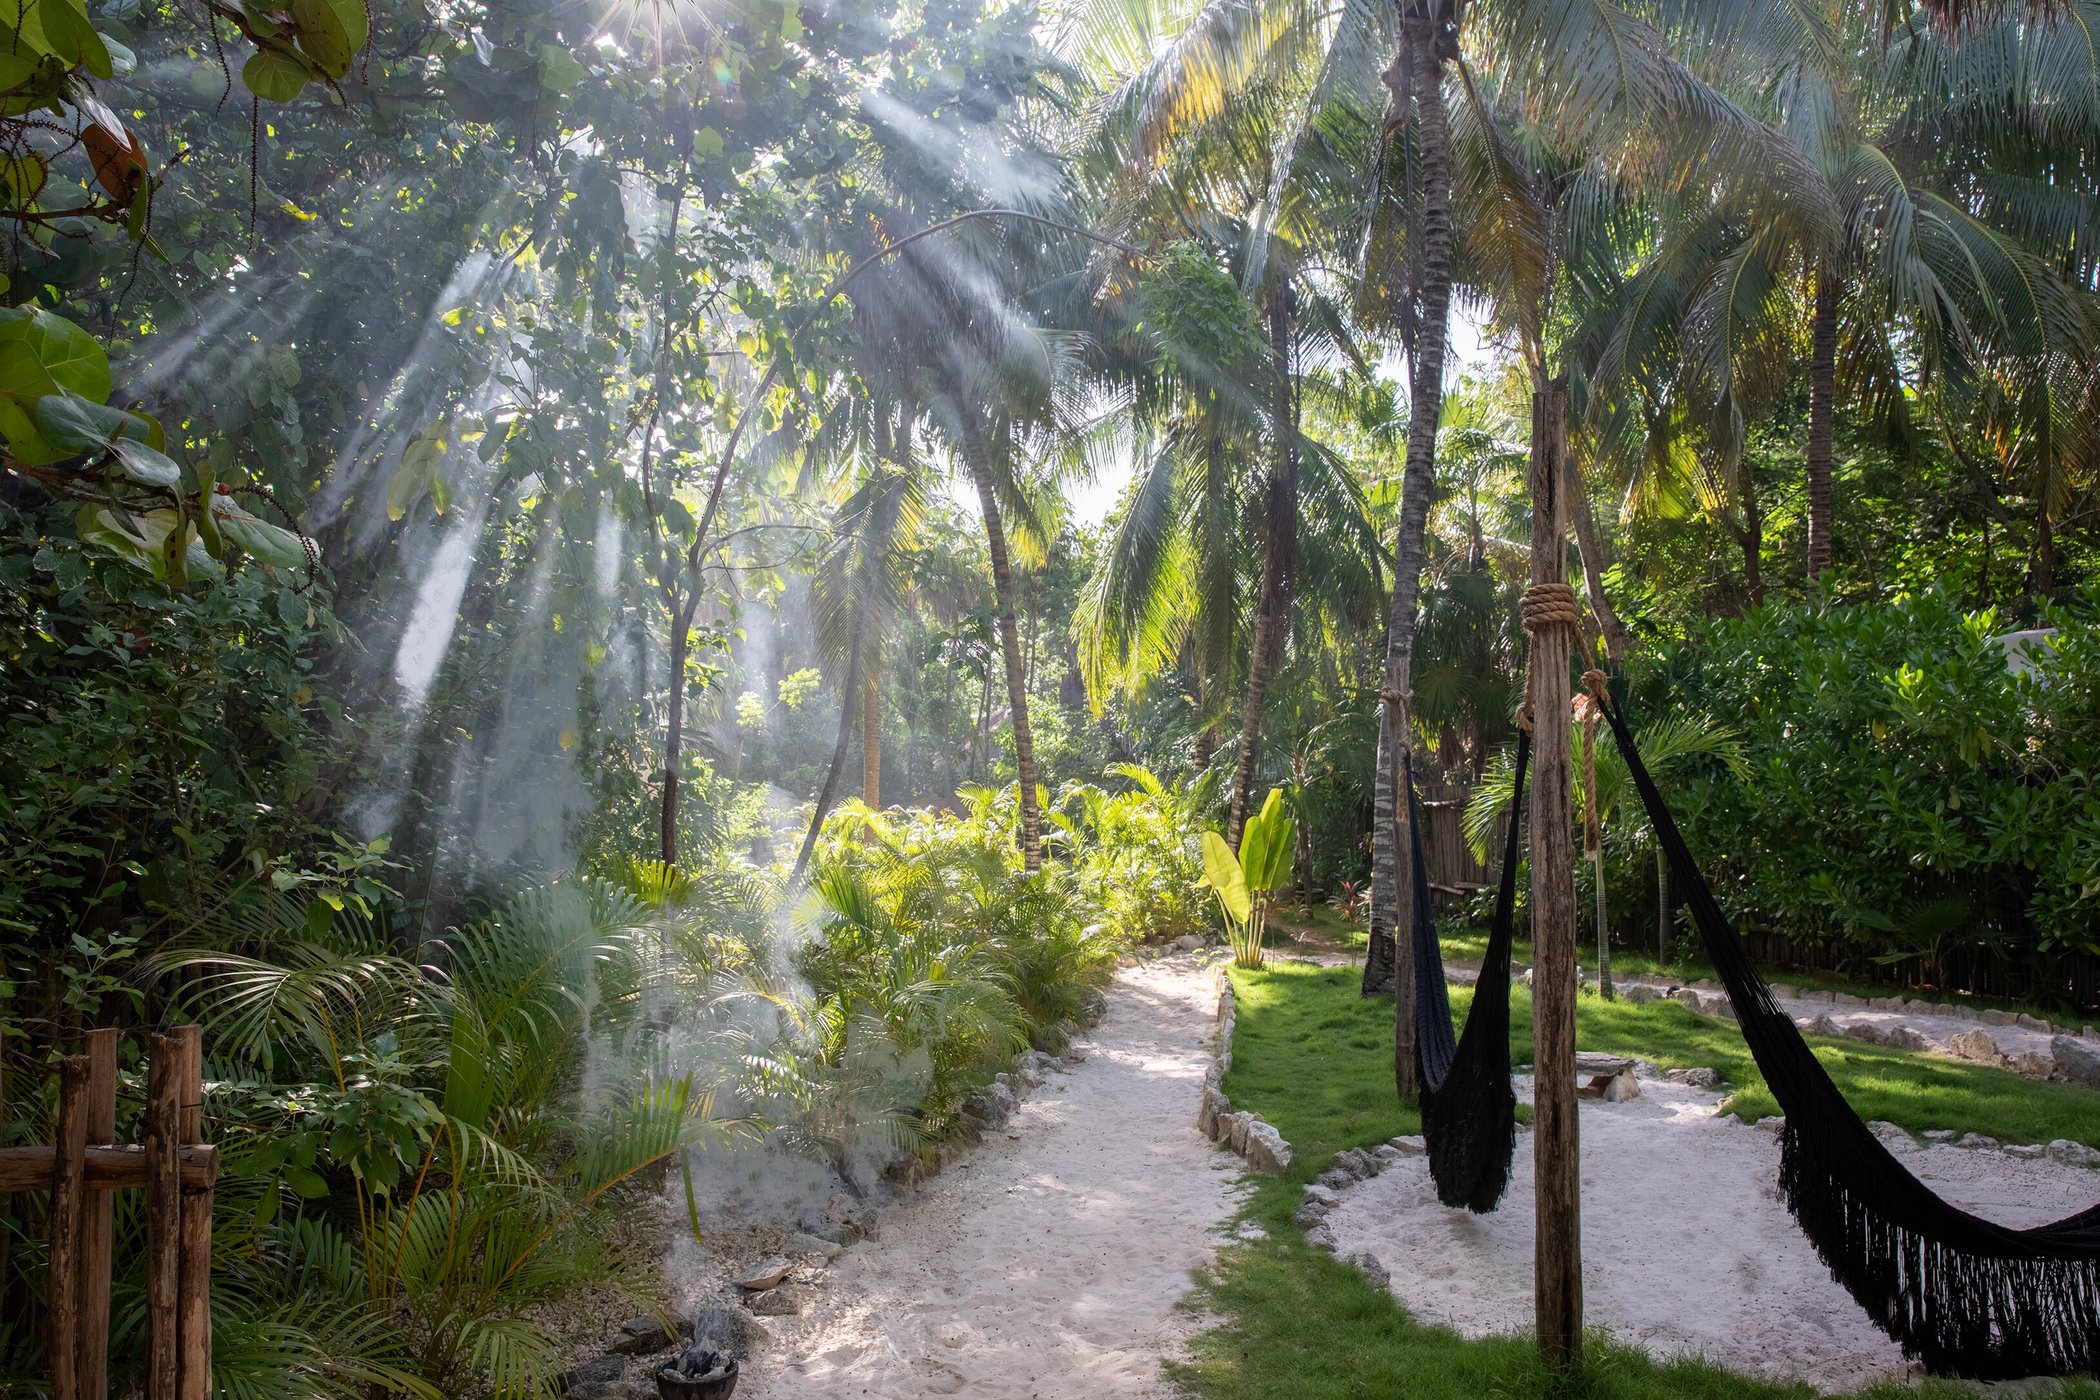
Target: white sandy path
pixel 1686 1246
pixel 1047 1264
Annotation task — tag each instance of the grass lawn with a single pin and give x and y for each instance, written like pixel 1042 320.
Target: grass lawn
pixel 1316 1060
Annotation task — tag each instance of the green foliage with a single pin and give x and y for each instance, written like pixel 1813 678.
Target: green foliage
pixel 1910 795
pixel 1245 883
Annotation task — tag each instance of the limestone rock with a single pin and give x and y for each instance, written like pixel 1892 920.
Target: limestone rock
pixel 1886 1003
pixel 642 1336
pixel 1187 943
pixel 1865 1032
pixel 769 1274
pixel 1367 1264
pixel 1991 1016
pixel 1718 1006
pixel 1699 1077
pixel 1687 996
pixel 1846 999
pixel 2034 1023
pixel 1326 1197
pixel 813 1244
pixel 1387 1153
pixel 1904 1038
pixel 591 1375
pixel 1411 1146
pixel 1940 1135
pixel 2024 1150
pixel 1892 1137
pixel 2076 1061
pixel 1320 1237
pixel 1977 1046
pixel 1772 1124
pixel 1824 1025
pixel 781 1302
pixel 1241 1122
pixel 1640 994
pixel 849 1219
pixel 1975 1140
pixel 1308 1215
pixel 2034 1066
pixel 1785 991
pixel 2071 1154
pixel 1267 1152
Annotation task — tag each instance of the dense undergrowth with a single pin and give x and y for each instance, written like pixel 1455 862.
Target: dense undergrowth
pixel 1293 1323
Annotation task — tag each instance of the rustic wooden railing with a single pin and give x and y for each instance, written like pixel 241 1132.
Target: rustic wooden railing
pixel 176 1171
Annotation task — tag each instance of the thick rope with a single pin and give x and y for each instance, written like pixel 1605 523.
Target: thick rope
pixel 1545 606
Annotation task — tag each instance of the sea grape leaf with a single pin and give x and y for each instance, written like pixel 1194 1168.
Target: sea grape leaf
pixel 274 75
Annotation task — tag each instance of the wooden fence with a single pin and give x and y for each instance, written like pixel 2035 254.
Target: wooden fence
pixel 1453 872
pixel 80 1171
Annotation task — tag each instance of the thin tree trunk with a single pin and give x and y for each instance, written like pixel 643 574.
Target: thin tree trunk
pixel 1822 390
pixel 2044 570
pixel 1392 867
pixel 1279 557
pixel 1591 547
pixel 980 470
pixel 1662 908
pixel 871 736
pixel 674 730
pixel 849 711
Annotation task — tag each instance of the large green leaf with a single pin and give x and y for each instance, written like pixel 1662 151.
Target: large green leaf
pixel 42 352
pixel 330 32
pixel 1221 868
pixel 1265 844
pixel 275 75
pixel 272 544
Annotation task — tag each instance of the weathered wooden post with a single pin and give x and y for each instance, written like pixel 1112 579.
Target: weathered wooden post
pixel 1551 619
pixel 163 1127
pixel 68 1207
pixel 193 1320
pixel 97 1224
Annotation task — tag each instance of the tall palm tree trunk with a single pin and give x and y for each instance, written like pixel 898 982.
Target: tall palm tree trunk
pixel 1822 390
pixel 871 736
pixel 1392 859
pixel 1279 558
pixel 980 469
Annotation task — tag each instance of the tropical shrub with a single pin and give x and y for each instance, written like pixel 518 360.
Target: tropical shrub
pixel 1246 881
pixel 1911 795
pixel 1135 854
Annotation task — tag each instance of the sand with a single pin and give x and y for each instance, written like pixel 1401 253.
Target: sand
pixel 1048 1262
pixel 1686 1246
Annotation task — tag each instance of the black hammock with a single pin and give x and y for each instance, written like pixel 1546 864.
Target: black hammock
pixel 1963 1295
pixel 1469 1111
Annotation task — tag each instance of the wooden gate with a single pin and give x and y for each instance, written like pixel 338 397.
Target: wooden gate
pixel 79 1171
pixel 1453 872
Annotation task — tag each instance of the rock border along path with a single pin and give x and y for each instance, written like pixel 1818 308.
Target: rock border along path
pixel 1047 1263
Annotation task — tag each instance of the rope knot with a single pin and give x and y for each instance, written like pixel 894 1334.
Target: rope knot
pixel 1548 605
pixel 1392 696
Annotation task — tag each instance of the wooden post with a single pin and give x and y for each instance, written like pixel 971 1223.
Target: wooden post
pixel 1557 1278
pixel 163 1213
pixel 194 1310
pixel 97 1226
pixel 68 1204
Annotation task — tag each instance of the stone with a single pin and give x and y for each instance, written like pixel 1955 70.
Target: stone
pixel 1846 999
pixel 769 1274
pixel 1975 1140
pixel 780 1302
pixel 1772 1124
pixel 1335 1180
pixel 1002 1093
pixel 984 1109
pixel 1975 1045
pixel 2035 1023
pixel 1824 1025
pixel 2088 1032
pixel 1698 1077
pixel 1387 1153
pixel 1621 1087
pixel 1211 1116
pixel 1866 1033
pixel 1320 1237
pixel 850 1219
pixel 1410 1146
pixel 590 1375
pixel 1896 1139
pixel 1785 991
pixel 1034 1069
pixel 2034 1066
pixel 1326 1197
pixel 1357 1160
pixel 1991 1016
pixel 2027 1151
pixel 1187 943
pixel 1267 1152
pixel 1308 1215
pixel 1718 1006
pixel 1687 996
pixel 729 1330
pixel 814 1244
pixel 1904 1038
pixel 2076 1061
pixel 2071 1154
pixel 1367 1264
pixel 1640 994
pixel 1886 1003
pixel 1940 1135
pixel 642 1336
pixel 1241 1122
